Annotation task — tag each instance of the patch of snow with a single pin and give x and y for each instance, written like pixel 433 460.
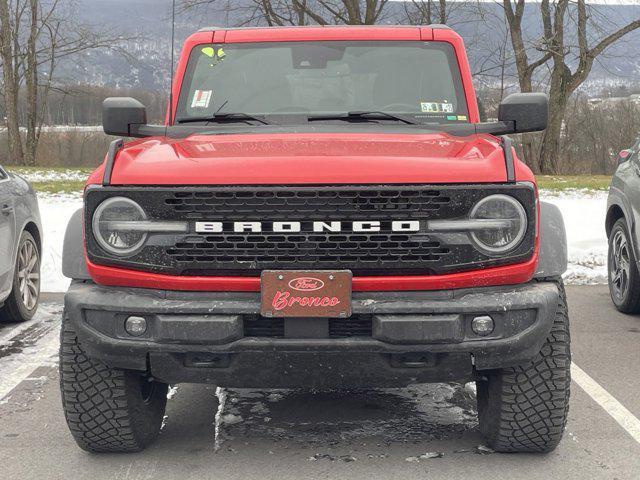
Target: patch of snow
pixel 470 388
pixel 55 211
pixel 35 346
pixel 483 450
pixel 48 175
pixel 428 455
pixel 230 419
pixel 584 214
pixel 221 395
pixel 332 458
pixel 164 422
pixel 172 392
pixel 275 397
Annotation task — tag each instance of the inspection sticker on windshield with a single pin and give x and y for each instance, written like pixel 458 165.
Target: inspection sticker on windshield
pixel 201 98
pixel 436 107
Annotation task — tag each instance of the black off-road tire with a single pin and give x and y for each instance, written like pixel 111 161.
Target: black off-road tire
pixel 14 310
pixel 525 408
pixel 107 410
pixel 629 301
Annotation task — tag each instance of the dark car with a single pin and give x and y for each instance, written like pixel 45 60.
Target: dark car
pixel 20 249
pixel 622 224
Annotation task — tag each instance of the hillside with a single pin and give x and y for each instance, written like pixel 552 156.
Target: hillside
pixel 149 21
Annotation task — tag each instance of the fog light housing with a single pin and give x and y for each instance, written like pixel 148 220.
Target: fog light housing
pixel 483 325
pixel 135 326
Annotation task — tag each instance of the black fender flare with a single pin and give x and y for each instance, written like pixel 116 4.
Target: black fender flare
pixel 553 242
pixel 74 264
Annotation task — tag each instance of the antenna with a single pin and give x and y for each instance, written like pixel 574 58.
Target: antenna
pixel 173 36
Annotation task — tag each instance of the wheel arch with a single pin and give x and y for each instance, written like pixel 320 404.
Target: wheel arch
pixel 614 213
pixel 74 264
pixel 34 230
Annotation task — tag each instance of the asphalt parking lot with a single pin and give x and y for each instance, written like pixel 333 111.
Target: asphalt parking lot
pixel 246 434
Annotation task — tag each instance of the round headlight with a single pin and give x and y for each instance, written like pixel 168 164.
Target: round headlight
pixel 107 221
pixel 508 227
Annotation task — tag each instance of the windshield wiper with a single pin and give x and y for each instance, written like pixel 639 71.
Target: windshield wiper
pixel 224 117
pixel 365 114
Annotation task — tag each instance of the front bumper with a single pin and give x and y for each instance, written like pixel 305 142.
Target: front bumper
pixel 415 336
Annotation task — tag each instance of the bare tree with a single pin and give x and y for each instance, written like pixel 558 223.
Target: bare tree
pixel 427 12
pixel 558 51
pixel 34 37
pixel 300 12
pixel 10 77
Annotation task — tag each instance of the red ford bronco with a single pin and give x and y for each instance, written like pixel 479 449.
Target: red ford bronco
pixel 322 208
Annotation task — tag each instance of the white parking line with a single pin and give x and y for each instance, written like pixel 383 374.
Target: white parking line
pixel 613 407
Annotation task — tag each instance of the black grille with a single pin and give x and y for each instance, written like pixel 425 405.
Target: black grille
pixel 257 326
pixel 304 251
pixel 263 327
pixel 356 326
pixel 371 253
pixel 279 204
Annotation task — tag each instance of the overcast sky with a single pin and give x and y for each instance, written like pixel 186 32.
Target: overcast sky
pixel 606 2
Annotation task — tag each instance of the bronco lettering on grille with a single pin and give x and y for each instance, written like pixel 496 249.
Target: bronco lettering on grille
pixel 295 227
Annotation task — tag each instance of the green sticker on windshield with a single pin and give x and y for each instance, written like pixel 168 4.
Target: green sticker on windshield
pixel 216 56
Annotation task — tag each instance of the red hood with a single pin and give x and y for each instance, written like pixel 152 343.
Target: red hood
pixel 312 159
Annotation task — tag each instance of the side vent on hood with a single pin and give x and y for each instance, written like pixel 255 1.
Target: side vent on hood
pixel 114 148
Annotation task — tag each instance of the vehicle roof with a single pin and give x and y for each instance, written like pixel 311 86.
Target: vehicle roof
pixel 435 26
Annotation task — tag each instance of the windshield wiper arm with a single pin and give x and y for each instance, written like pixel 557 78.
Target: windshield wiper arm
pixel 364 114
pixel 222 117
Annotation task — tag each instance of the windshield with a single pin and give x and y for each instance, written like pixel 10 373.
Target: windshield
pixel 419 79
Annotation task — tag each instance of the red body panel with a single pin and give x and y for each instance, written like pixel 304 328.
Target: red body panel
pixel 508 275
pixel 328 158
pixel 312 159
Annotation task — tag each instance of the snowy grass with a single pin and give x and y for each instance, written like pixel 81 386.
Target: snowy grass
pixel 54 180
pixel 584 214
pixel 573 182
pixel 56 211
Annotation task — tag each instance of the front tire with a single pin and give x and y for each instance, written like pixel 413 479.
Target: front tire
pixel 624 279
pixel 22 303
pixel 525 408
pixel 107 409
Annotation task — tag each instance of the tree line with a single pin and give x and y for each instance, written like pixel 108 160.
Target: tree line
pixel 35 35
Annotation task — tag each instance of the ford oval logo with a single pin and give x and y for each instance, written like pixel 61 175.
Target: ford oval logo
pixel 306 284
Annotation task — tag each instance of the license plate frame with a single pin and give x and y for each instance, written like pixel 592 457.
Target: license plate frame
pixel 327 293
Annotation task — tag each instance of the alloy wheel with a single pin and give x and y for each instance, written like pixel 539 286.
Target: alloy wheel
pixel 620 265
pixel 29 274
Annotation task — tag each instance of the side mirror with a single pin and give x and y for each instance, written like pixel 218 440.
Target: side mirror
pixel 529 112
pixel 122 116
pixel 623 156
